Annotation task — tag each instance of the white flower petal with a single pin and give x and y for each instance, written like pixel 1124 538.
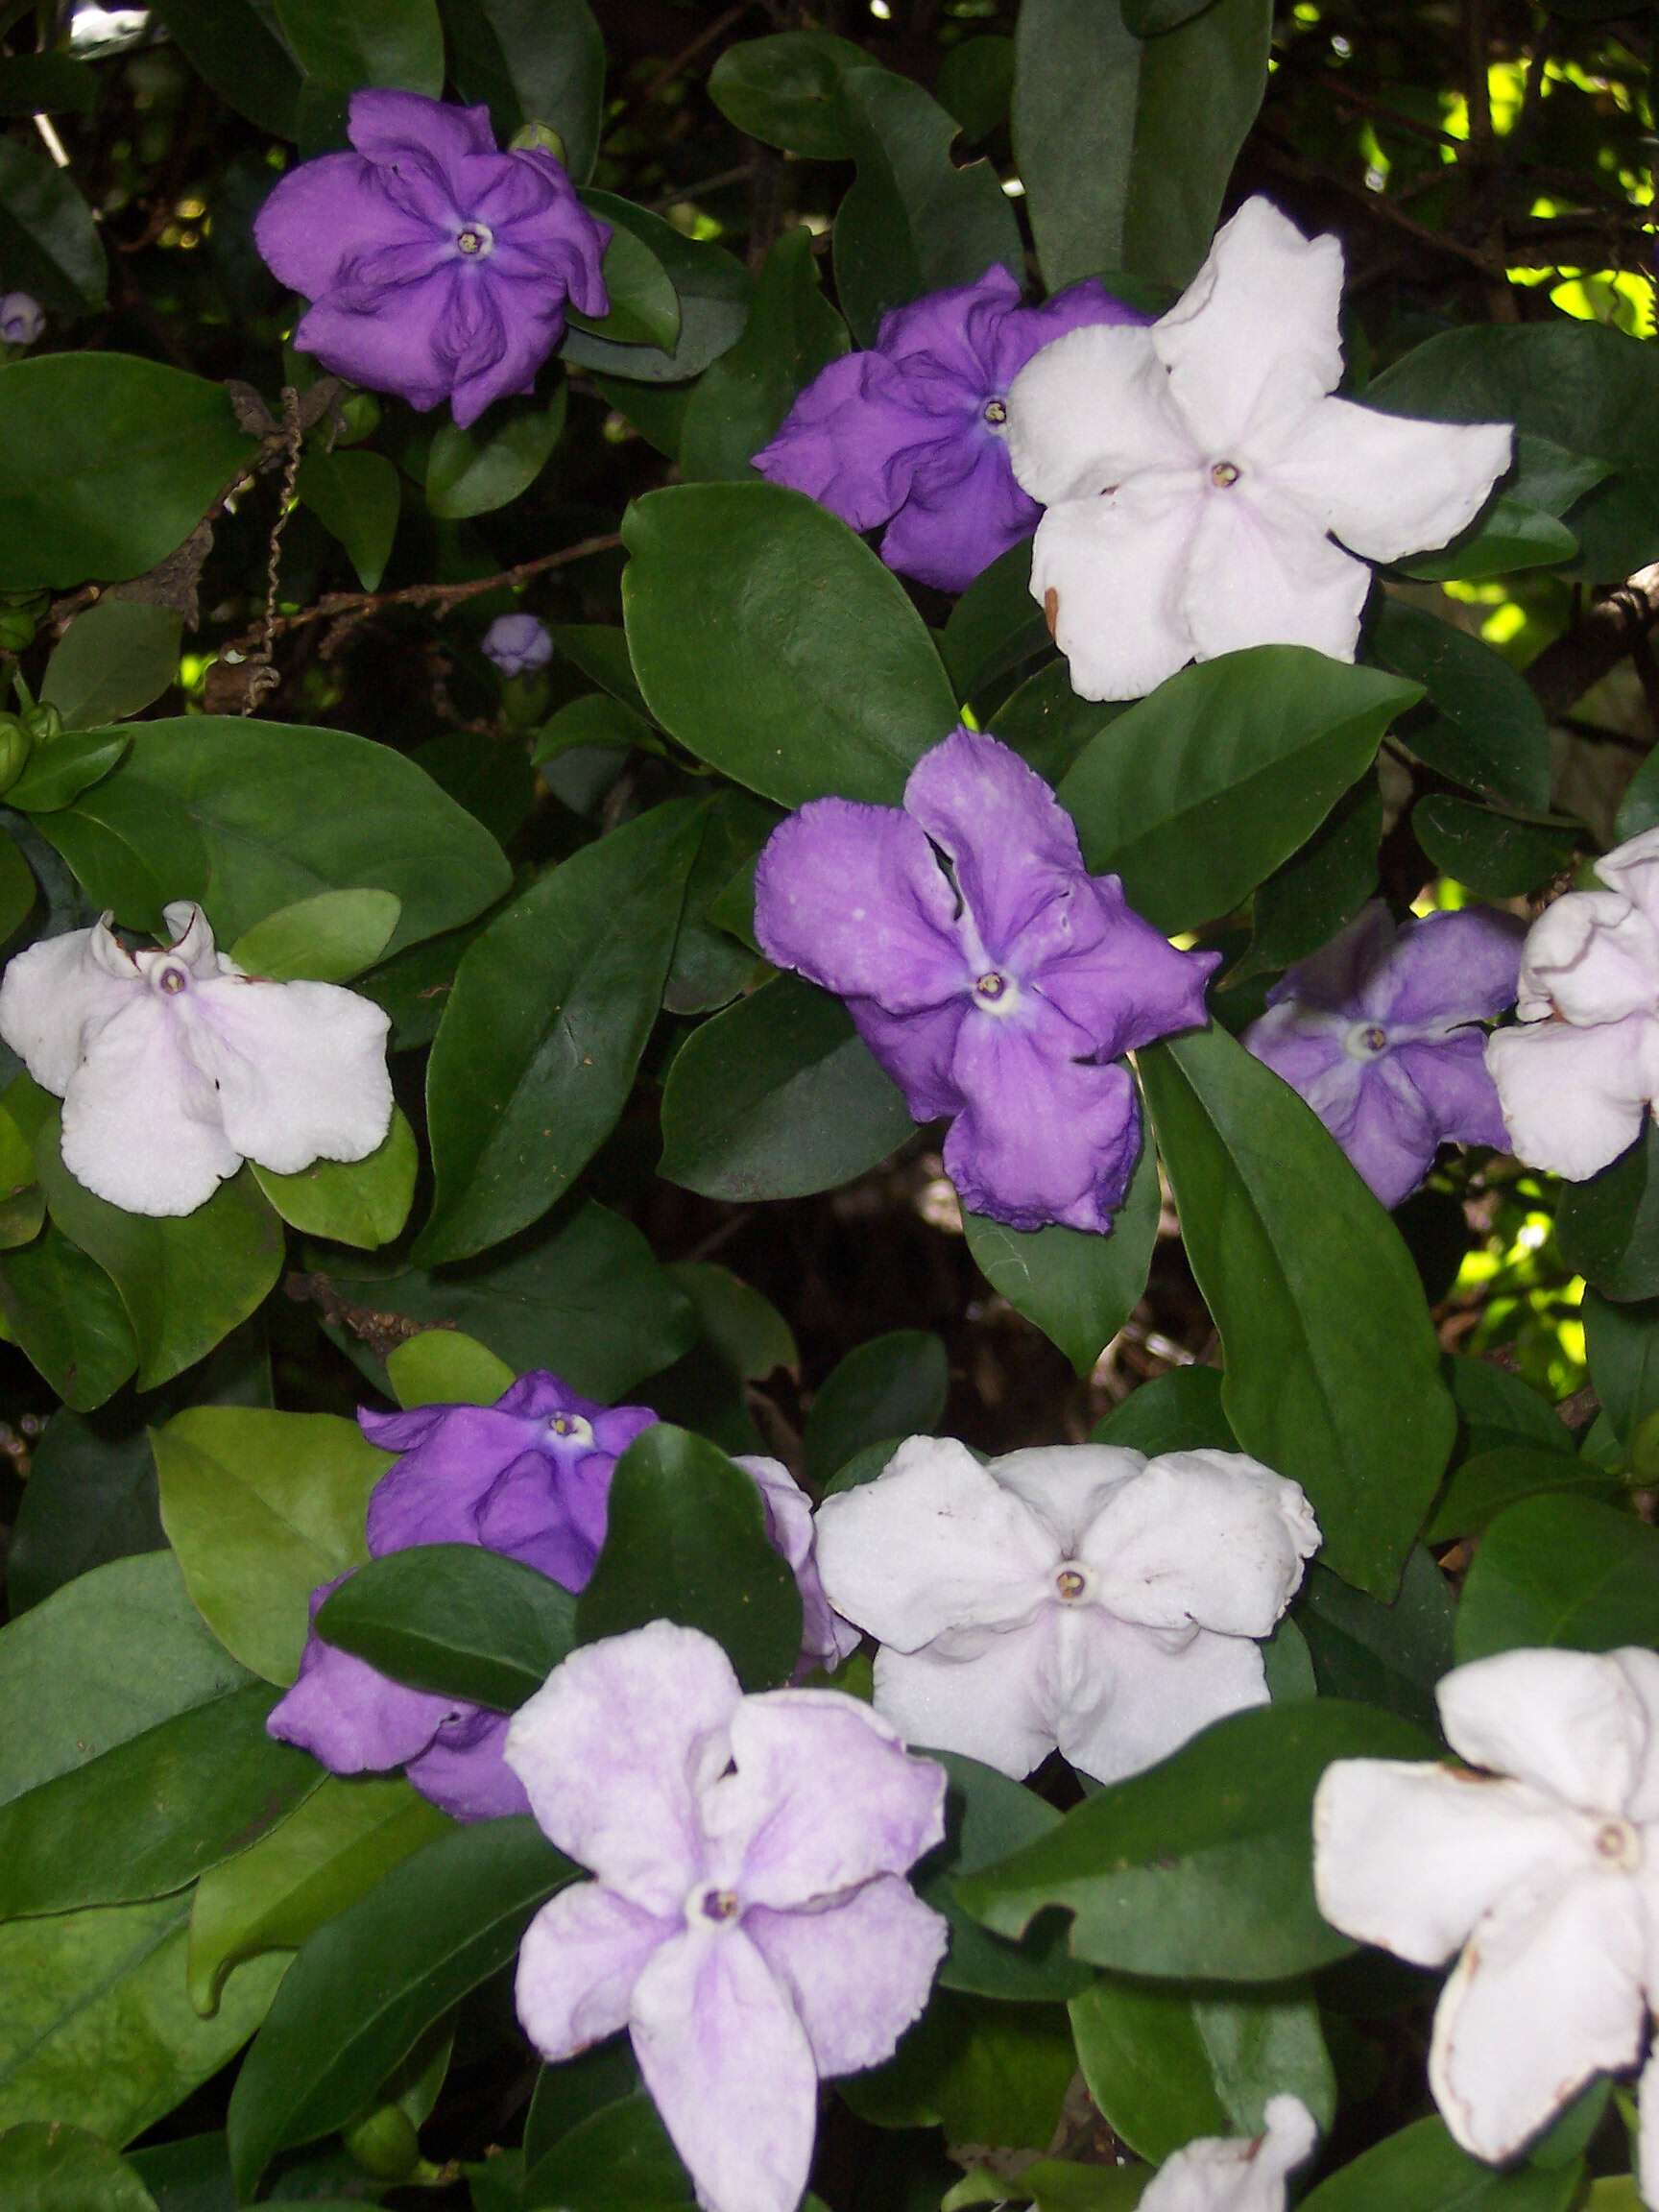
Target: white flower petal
pixel 1128 1696
pixel 577 1967
pixel 1388 486
pixel 1633 868
pixel 991 1703
pixel 1255 340
pixel 1065 1485
pixel 1237 2174
pixel 53 994
pixel 190 939
pixel 1091 410
pixel 1409 1857
pixel 935 1543
pixel 300 1068
pixel 1112 574
pixel 1591 957
pixel 141 1124
pixel 1211 1537
pixel 1573 1724
pixel 1261 573
pixel 858 1973
pixel 1574 1099
pixel 1546 1995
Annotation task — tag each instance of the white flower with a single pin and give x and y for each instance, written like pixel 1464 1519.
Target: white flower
pixel 1577 1076
pixel 1544 1873
pixel 1076 1595
pixel 173 1066
pixel 1196 472
pixel 1231 2174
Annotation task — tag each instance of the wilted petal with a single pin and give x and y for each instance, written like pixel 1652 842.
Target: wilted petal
pixel 141 1121
pixel 1125 1697
pixel 1092 411
pixel 1387 486
pixel 859 1972
pixel 347 1715
pixel 1633 868
pixel 729 2069
pixel 1261 573
pixel 1573 1724
pixel 825 1639
pixel 985 1696
pixel 1212 1538
pixel 1574 1099
pixel 300 1068
pixel 1112 574
pixel 1043 1138
pixel 1448 968
pixel 613 1749
pixel 1229 2174
pixel 853 898
pixel 53 994
pixel 1592 957
pixel 580 1959
pixel 1011 844
pixel 463 1769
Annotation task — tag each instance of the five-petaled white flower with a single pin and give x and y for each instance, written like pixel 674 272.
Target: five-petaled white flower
pixel 1543 1873
pixel 1195 473
pixel 173 1066
pixel 1237 2174
pixel 1076 1596
pixel 1581 1070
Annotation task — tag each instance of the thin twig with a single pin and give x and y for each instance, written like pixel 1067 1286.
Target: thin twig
pixel 262 677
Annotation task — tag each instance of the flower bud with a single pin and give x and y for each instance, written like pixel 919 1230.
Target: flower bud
pixel 385 2143
pixel 17 629
pixel 539 138
pixel 15 747
pixel 43 723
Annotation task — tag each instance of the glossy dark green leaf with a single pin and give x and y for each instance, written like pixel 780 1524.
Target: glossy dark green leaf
pixel 711 284
pixel 618 2158
pixel 362 1203
pixel 977 84
pixel 776 647
pixel 369 1985
pixel 253 816
pixel 49 241
pixel 1497 855
pixel 1496 1406
pixel 1639 808
pixel 985 2073
pixel 1181 1411
pixel 1202 1867
pixel 48 2167
pixel 1607 1229
pixel 776 1098
pixel 740 399
pixel 543 1032
pixel 1303 904
pixel 687 1541
pixel 1390 1655
pixel 1481 724
pixel 58 772
pixel 987 1817
pixel 67 1317
pixel 46 84
pixel 786 91
pixel 644 307
pixel 711 964
pixel 1078 1289
pixel 994 625
pixel 371 43
pixel 474 472
pixel 1332 1365
pixel 1490 1482
pixel 1561 1571
pixel 90 1498
pixel 1045 720
pixel 17 887
pixel 1423 2168
pixel 534 61
pixel 1621 1343
pixel 107 464
pixel 113 660
pixel 1125 144
pixel 1199 792
pixel 230 44
pixel 356 496
pixel 893 1386
pixel 454 1619
pixel 744 1328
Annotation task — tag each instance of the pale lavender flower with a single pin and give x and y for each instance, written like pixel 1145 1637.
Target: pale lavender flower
pixel 437 267
pixel 749 1923
pixel 518 645
pixel 1236 2172
pixel 22 319
pixel 912 432
pixel 1381 1033
pixel 999 989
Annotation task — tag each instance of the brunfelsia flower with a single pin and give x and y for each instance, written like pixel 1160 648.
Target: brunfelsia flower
pixel 1541 1871
pixel 518 645
pixel 437 267
pixel 913 432
pixel 22 319
pixel 1205 492
pixel 1075 1597
pixel 1580 1073
pixel 173 1066
pixel 1379 1034
pixel 1233 2174
pixel 749 1924
pixel 997 988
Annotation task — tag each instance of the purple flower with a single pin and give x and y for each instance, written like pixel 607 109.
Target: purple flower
pixel 994 978
pixel 518 645
pixel 22 319
pixel 1379 1034
pixel 749 1924
pixel 437 267
pixel 825 1638
pixel 911 433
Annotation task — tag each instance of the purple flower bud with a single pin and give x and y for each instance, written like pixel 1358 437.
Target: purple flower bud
pixel 518 645
pixel 438 267
pixel 22 319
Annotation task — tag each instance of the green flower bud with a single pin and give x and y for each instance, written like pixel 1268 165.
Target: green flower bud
pixel 385 2143
pixel 43 723
pixel 15 747
pixel 541 138
pixel 17 629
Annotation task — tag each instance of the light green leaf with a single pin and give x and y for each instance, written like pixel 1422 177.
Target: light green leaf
pixel 59 771
pixel 362 1203
pixel 1423 2168
pixel 329 938
pixel 442 1367
pixel 1561 1571
pixel 48 2167
pixel 66 1317
pixel 114 660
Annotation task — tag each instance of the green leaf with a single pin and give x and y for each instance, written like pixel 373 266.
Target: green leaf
pixel 1561 1571
pixel 106 465
pixel 1165 2065
pixel 1375 1654
pixel 114 660
pixel 644 307
pixel 1199 792
pixel 913 222
pixel 1422 2167
pixel 1181 1411
pixel 1490 1482
pixel 710 963
pixel 744 1328
pixel 543 1032
pixel 786 91
pixel 250 817
pixel 1079 1290
pixel 1621 1343
pixel 977 84
pixel 1482 726
pixel 994 625
pixel 48 238
pixel 18 887
pixel 475 472
pixel 893 1386
pixel 1332 1365
pixel 67 1318
pixel 534 61
pixel 330 1851
pixel 615 2160
pixel 1607 1229
pixel 231 47
pixel 91 1499
pixel 48 2167
pixel 329 938
pixel 261 1509
pixel 687 1541
pixel 397 42
pixel 442 1367
pixel 777 647
pixel 46 84
pixel 985 2073
pixel 713 289
pixel 1519 528
pixel 1497 855
pixel 1125 145
pixel 356 496
pixel 987 1817
pixel 776 1098
pixel 1303 904
pixel 367 1987
pixel 792 333
pixel 456 1619
pixel 97 2020
pixel 58 772
pixel 362 1203
pixel 1202 1867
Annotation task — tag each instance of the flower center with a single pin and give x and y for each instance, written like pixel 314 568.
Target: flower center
pixel 571 1425
pixel 991 985
pixel 476 239
pixel 172 979
pixel 995 993
pixel 996 413
pixel 718 1905
pixel 1071 1584
pixel 1224 475
pixel 1619 1843
pixel 1365 1041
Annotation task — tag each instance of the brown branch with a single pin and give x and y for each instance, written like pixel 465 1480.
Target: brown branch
pixel 1603 637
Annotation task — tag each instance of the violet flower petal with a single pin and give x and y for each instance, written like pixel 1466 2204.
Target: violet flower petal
pixel 1449 1074
pixel 955 522
pixel 403 344
pixel 433 1494
pixel 463 1770
pixel 386 124
pixel 858 1973
pixel 853 896
pixel 324 216
pixel 1449 968
pixel 849 442
pixel 1115 978
pixel 1011 845
pixel 348 1715
pixel 1042 1138
pixel 580 1957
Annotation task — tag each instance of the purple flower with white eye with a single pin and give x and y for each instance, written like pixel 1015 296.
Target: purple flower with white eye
pixel 1380 1033
pixel 437 267
pixel 996 980
pixel 22 319
pixel 912 432
pixel 750 1923
pixel 518 645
